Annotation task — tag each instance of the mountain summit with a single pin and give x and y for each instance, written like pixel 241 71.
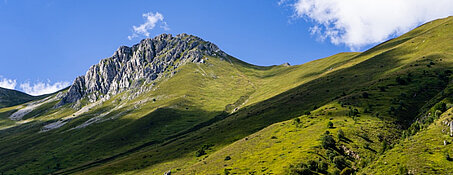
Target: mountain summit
pixel 138 65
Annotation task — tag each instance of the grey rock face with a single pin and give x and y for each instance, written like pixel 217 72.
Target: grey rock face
pixel 131 67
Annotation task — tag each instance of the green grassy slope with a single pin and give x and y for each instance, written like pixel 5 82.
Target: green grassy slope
pixel 12 97
pixel 419 58
pixel 425 152
pixel 192 121
pixel 198 95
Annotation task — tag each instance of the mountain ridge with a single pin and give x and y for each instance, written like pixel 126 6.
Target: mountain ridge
pixel 10 97
pixel 139 64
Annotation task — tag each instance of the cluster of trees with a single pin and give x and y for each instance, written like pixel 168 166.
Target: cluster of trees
pixel 334 155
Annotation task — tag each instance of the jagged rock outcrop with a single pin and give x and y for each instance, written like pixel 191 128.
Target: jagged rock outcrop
pixel 131 67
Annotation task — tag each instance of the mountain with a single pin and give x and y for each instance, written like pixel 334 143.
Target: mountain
pixel 12 97
pixel 138 65
pixel 179 103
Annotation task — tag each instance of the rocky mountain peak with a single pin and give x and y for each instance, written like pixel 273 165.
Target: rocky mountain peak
pixel 142 63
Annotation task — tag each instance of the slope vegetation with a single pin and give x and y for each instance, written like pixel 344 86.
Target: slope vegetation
pixel 351 112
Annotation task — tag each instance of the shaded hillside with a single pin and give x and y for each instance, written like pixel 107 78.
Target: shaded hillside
pixel 12 97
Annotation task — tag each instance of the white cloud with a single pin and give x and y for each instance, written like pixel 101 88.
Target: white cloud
pixel 41 88
pixel 7 83
pixel 151 19
pixel 357 23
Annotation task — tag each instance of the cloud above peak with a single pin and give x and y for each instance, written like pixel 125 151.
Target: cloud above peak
pixel 38 88
pixel 358 23
pixel 151 20
pixel 41 88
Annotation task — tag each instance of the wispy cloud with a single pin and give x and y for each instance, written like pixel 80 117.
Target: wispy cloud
pixel 151 20
pixel 41 88
pixel 357 23
pixel 7 83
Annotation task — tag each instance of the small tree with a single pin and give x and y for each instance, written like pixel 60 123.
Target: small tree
pixel 330 124
pixel 328 141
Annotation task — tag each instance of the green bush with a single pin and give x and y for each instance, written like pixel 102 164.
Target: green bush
pixel 440 106
pixel 447 156
pixel 312 165
pixel 331 154
pixel 300 169
pixel 365 95
pixel 384 146
pixel 401 81
pixel 340 162
pixel 200 152
pixel 296 121
pixel 328 141
pixel 346 171
pixel 323 166
pixel 330 124
pixel 403 170
pixel 227 158
pixel 340 134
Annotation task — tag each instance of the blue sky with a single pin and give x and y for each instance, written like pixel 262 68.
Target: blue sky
pixel 47 43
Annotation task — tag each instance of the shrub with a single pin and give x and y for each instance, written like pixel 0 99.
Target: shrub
pixel 226 171
pixel 400 81
pixel 200 152
pixel 347 171
pixel 227 158
pixel 366 145
pixel 330 124
pixel 303 171
pixel 312 165
pixel 448 157
pixel 323 166
pixel 403 170
pixel 328 141
pixel 366 110
pixel 384 146
pixel 340 134
pixel 300 169
pixel 296 121
pixel 365 95
pixel 331 154
pixel 340 162
pixel 335 172
pixel 440 106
